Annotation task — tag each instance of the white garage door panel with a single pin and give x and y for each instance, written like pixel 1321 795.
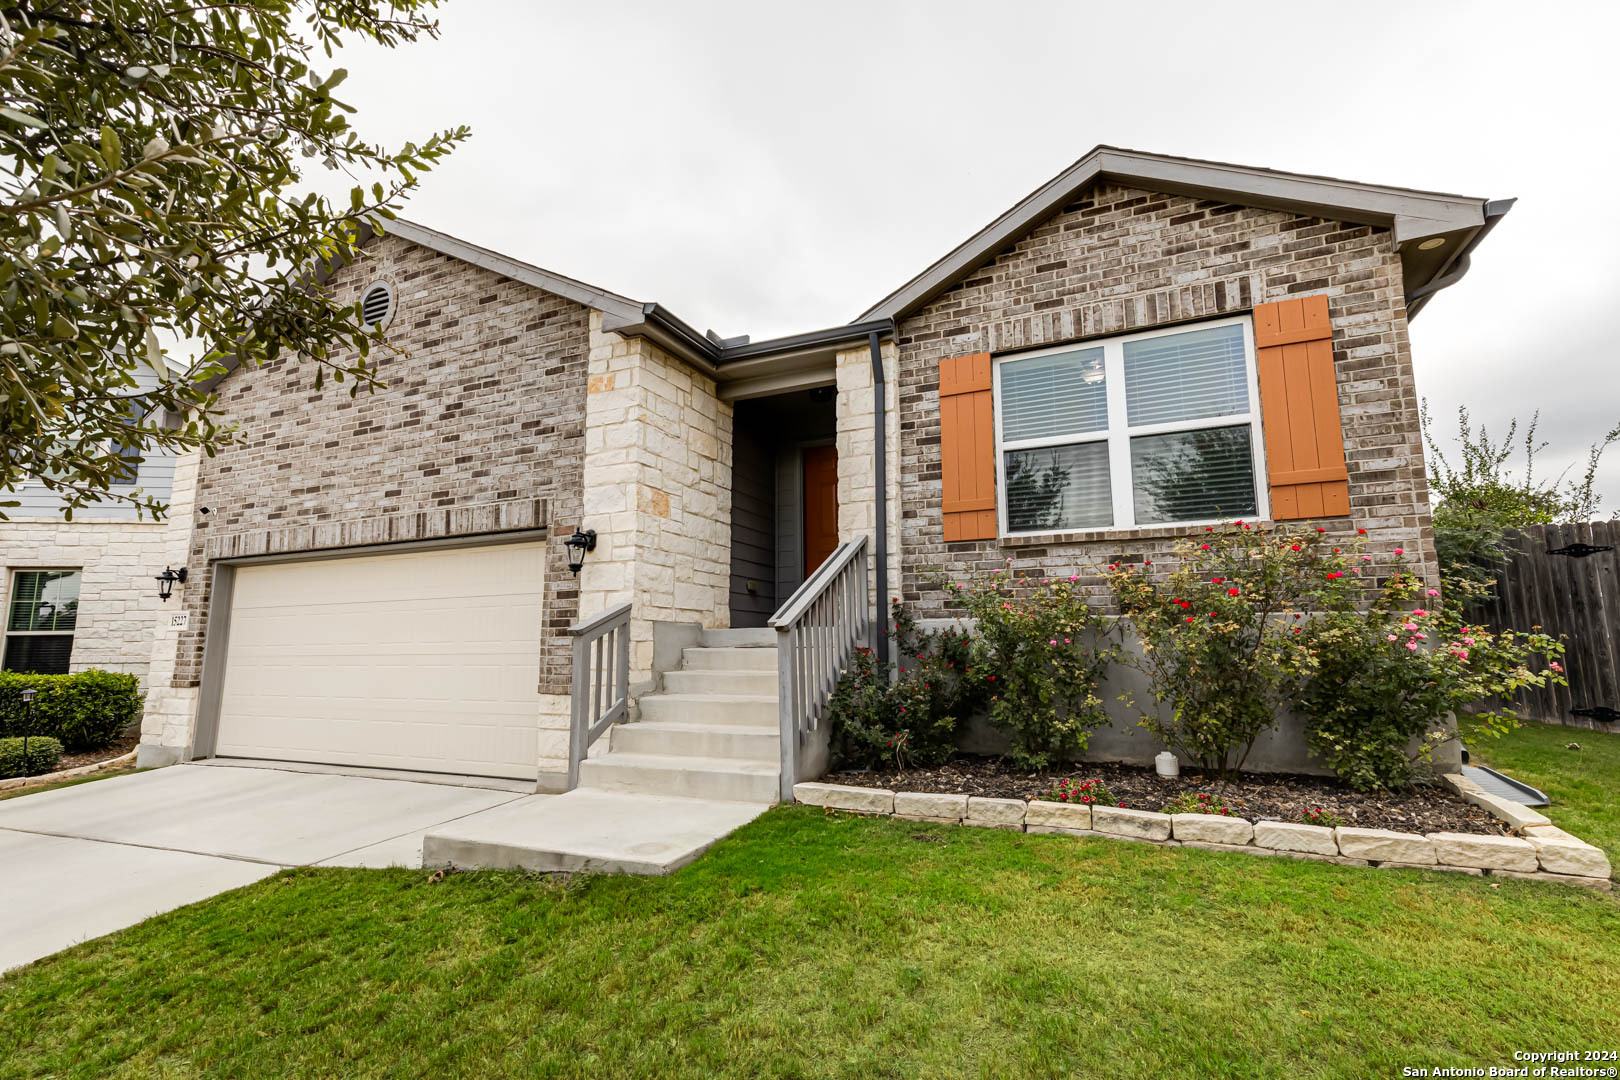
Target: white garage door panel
pixel 427 660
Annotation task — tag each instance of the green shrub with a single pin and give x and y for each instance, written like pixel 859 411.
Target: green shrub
pixel 1387 673
pixel 1220 633
pixel 908 713
pixel 43 754
pixel 1189 802
pixel 1040 652
pixel 84 711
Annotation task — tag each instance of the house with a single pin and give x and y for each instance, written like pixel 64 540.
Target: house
pixel 1143 344
pixel 80 594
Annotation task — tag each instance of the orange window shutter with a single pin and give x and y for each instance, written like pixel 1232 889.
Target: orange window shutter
pixel 1299 406
pixel 967 448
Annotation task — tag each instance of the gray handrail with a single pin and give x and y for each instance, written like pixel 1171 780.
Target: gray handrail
pixel 794 606
pixel 600 698
pixel 817 630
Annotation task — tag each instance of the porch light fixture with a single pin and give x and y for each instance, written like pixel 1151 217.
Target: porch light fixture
pixel 1432 243
pixel 578 544
pixel 167 579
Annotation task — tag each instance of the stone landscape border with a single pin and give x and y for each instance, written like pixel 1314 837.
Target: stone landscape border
pixel 67 774
pixel 1540 850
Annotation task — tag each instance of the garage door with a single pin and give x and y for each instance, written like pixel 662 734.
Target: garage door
pixel 427 660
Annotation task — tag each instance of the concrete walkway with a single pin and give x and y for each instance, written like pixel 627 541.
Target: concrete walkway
pixel 85 861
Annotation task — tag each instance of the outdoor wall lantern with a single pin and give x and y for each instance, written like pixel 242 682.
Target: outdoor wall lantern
pixel 578 545
pixel 167 579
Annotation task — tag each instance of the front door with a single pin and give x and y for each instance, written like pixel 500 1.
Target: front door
pixel 820 505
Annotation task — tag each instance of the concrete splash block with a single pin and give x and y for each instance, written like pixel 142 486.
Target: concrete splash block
pixel 587 831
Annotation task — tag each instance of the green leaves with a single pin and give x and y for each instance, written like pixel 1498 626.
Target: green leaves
pixel 206 235
pixel 26 120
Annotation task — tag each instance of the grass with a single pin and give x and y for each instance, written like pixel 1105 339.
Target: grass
pixel 814 945
pixel 17 793
pixel 1584 784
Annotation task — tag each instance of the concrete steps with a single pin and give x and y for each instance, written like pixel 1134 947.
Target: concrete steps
pixel 712 732
pixel 745 741
pixel 703 759
pixel 749 637
pixel 755 710
pixel 704 658
pixel 727 779
pixel 751 683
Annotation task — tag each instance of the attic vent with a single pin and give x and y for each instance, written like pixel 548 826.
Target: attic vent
pixel 377 304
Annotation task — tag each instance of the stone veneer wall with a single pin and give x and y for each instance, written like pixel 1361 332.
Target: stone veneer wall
pixel 1118 260
pixel 657 491
pixel 480 427
pixel 166 724
pixel 857 462
pixel 118 601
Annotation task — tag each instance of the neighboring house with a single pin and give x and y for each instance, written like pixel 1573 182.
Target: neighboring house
pixel 1143 345
pixel 80 594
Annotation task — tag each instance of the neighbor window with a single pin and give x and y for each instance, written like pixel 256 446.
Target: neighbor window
pixel 40 618
pixel 1158 428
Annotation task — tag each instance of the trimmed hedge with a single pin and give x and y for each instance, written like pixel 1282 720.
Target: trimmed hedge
pixel 43 754
pixel 84 711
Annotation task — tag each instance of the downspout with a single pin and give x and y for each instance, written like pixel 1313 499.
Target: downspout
pixel 1495 211
pixel 880 423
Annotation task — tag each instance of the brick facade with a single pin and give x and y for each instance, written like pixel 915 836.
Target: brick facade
pixel 1117 260
pixel 480 428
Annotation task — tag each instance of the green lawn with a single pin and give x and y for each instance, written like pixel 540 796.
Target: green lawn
pixel 816 945
pixel 1584 784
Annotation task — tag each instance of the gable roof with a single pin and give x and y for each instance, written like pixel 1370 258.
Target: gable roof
pixel 1413 216
pixel 609 303
pixel 761 367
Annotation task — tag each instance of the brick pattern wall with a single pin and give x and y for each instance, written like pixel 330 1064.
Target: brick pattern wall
pixel 482 421
pixel 1117 260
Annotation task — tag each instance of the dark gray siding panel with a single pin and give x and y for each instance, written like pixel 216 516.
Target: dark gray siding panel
pixel 753 530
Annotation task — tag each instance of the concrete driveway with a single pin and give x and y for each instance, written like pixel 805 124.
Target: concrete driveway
pixel 84 861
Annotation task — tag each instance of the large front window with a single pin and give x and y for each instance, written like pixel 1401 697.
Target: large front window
pixel 41 615
pixel 1158 428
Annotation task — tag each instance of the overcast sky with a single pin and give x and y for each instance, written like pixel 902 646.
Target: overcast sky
pixel 766 169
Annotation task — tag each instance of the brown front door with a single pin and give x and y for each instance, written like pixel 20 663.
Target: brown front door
pixel 820 505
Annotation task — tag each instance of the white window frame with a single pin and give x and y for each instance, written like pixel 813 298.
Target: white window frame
pixel 6 633
pixel 1119 433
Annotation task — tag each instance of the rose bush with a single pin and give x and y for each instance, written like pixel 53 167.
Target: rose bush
pixel 1385 671
pixel 906 713
pixel 1040 652
pixel 1221 632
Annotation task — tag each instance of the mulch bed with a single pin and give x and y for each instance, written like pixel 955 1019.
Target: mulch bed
pixel 117 748
pixel 1256 796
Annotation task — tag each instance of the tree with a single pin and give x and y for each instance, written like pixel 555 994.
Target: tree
pixel 1483 497
pixel 152 169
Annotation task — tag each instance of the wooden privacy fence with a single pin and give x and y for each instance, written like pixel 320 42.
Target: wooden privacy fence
pixel 1554 580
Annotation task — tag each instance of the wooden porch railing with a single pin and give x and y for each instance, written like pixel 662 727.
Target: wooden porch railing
pixel 816 631
pixel 601 690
